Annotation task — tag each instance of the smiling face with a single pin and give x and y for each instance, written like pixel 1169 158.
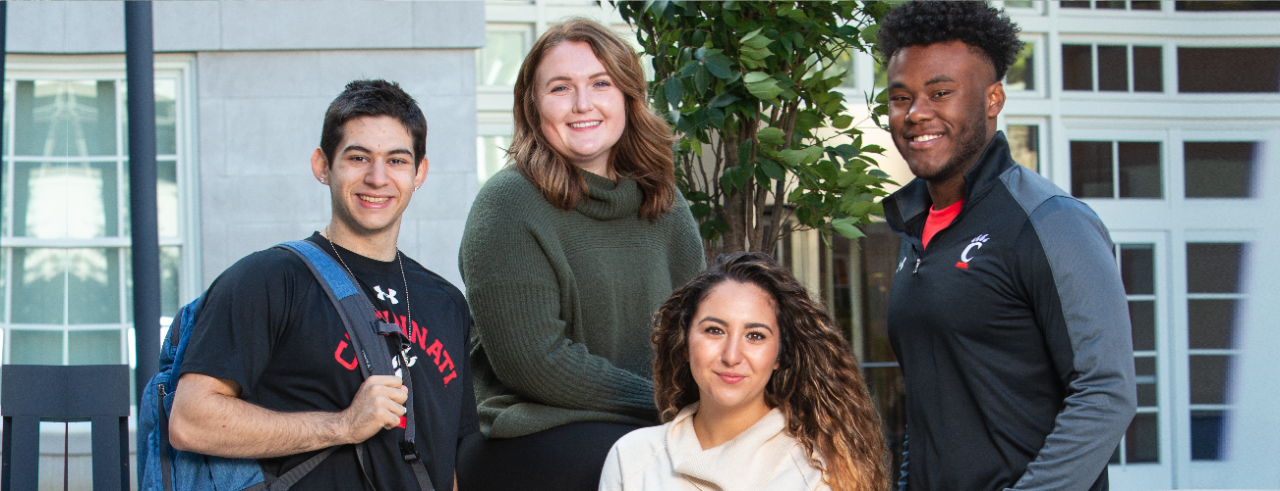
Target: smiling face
pixel 733 348
pixel 582 112
pixel 943 103
pixel 371 178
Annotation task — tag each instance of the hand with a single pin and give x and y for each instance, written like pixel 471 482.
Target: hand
pixel 378 405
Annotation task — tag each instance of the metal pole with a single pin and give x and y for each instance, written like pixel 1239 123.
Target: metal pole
pixel 140 73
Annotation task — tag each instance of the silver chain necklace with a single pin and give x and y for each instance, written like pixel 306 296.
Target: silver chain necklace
pixel 407 306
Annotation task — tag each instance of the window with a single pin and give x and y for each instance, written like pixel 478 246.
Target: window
pixel 493 155
pixel 1141 443
pixel 1110 169
pixel 1111 5
pixel 498 63
pixel 1024 144
pixel 1214 294
pixel 1225 5
pixel 1220 169
pixel 66 279
pixel 1228 70
pixel 1022 73
pixel 1118 68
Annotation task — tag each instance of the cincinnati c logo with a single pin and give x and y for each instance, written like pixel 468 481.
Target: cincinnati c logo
pixel 974 245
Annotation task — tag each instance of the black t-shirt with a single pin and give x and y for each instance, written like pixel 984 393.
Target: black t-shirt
pixel 268 325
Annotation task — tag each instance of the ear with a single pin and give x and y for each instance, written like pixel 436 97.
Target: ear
pixel 319 164
pixel 421 174
pixel 995 99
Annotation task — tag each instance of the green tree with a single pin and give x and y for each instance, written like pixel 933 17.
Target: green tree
pixel 764 137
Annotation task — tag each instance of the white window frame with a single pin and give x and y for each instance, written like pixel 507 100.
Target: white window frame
pixel 179 68
pixel 1158 475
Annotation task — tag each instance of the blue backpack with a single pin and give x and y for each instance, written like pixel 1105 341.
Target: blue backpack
pixel 163 468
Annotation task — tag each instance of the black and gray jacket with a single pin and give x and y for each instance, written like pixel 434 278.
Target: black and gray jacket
pixel 1013 334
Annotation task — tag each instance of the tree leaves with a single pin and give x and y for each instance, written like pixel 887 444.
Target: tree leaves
pixel 761 85
pixel 748 88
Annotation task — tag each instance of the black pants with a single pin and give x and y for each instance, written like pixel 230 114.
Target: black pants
pixel 564 458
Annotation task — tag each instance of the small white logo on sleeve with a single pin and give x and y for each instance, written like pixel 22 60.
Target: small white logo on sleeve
pixel 973 246
pixel 389 295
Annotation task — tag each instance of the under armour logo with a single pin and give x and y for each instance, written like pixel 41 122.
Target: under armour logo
pixel 389 295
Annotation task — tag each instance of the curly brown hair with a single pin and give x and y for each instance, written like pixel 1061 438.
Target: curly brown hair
pixel 643 152
pixel 817 384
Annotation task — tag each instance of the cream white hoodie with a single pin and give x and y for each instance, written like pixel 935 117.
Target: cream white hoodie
pixel 669 458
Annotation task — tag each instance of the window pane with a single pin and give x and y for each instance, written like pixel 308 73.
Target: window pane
pixel 1142 320
pixel 4 285
pixel 501 57
pixel 166 116
pixel 1111 4
pixel 1137 268
pixel 1219 169
pixel 93 347
pixel 1075 4
pixel 41 283
pixel 35 347
pixel 1144 5
pixel 1142 440
pixel 93 283
pixel 1145 369
pixel 1113 68
pixel 1209 379
pixel 1091 171
pixel 166 198
pixel 1211 324
pixel 60 200
pixel 1226 5
pixel 843 65
pixel 1214 267
pixel 1140 170
pixel 63 119
pixel 1207 428
pixel 1077 66
pixel 1022 73
pixel 493 155
pixel 1024 145
pixel 1148 69
pixel 169 266
pixel 1228 69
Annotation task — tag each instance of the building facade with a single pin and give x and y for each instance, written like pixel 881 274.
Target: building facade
pixel 1162 116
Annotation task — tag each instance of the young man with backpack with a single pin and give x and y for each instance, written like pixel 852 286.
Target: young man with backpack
pixel 270 372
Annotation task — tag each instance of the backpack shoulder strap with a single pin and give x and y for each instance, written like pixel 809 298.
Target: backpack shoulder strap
pixel 364 329
pixel 353 307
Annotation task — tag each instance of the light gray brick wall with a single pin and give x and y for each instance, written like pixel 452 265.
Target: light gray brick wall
pixel 260 119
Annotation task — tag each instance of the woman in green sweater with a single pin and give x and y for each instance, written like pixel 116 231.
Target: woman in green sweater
pixel 565 257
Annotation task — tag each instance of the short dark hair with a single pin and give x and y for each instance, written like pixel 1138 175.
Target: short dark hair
pixel 980 26
pixel 364 98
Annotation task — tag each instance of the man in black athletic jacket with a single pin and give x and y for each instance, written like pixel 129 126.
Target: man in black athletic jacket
pixel 1007 311
pixel 269 372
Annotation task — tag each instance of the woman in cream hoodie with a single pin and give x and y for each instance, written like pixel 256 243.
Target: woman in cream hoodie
pixel 758 391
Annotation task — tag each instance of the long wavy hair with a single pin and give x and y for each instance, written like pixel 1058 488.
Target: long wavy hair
pixel 817 384
pixel 643 152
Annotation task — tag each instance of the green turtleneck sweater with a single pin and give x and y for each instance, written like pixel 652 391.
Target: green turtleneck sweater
pixel 563 302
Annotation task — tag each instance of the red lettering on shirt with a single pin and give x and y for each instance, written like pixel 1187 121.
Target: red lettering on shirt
pixel 337 355
pixel 447 362
pixel 435 350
